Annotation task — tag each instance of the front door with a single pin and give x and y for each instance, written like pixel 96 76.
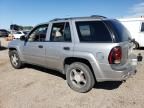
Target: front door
pixel 34 47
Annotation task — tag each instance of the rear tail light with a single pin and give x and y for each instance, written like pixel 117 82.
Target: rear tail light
pixel 115 55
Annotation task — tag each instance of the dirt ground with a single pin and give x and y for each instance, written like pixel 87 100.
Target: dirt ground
pixel 35 87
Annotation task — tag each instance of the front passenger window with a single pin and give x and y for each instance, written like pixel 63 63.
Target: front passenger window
pixel 38 34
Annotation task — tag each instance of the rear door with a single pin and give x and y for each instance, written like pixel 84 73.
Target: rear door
pixel 34 47
pixel 60 45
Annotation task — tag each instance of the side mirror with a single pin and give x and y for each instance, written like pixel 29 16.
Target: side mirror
pixel 23 38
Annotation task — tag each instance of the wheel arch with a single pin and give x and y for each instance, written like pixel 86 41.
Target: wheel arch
pixel 18 51
pixel 70 60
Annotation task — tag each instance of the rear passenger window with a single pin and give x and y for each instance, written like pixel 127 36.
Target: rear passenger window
pixel 93 31
pixel 142 27
pixel 60 32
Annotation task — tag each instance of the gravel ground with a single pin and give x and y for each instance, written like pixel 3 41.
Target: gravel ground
pixel 35 87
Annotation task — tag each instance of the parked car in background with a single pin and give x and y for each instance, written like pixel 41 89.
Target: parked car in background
pixel 136 29
pixel 18 34
pixel 4 33
pixel 26 32
pixel 85 49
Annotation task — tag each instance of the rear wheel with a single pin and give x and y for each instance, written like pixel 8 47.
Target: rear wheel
pixel 79 77
pixel 15 59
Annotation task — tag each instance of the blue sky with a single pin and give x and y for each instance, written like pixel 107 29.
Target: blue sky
pixel 32 12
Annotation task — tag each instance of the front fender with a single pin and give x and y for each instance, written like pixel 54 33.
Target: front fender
pixel 18 46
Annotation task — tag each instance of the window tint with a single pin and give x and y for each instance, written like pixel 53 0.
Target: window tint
pixel 120 32
pixel 142 27
pixel 93 31
pixel 38 34
pixel 60 32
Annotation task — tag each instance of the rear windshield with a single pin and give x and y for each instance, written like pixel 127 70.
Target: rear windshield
pixel 120 32
pixel 93 31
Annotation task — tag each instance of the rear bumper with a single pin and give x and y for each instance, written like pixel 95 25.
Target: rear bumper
pixel 125 74
pixel 106 73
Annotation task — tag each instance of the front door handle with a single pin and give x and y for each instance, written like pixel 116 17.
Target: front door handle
pixel 66 48
pixel 40 46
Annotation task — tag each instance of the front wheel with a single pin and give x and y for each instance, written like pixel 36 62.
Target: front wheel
pixel 79 77
pixel 15 59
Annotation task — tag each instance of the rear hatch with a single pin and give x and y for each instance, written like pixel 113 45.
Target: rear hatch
pixel 122 36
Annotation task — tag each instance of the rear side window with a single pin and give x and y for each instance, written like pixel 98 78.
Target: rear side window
pixel 120 32
pixel 93 31
pixel 142 27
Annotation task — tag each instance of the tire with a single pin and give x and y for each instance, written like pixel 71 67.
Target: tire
pixel 15 59
pixel 136 45
pixel 79 77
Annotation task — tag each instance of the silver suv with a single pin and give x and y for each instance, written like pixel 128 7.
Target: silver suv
pixel 86 49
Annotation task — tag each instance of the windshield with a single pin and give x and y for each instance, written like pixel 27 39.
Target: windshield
pixel 120 32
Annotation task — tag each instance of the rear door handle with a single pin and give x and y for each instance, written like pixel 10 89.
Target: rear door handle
pixel 40 46
pixel 66 48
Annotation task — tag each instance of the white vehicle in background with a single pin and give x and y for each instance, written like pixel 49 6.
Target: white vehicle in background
pixel 18 34
pixel 136 29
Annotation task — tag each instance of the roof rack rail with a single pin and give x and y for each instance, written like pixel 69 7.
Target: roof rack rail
pixel 56 19
pixel 92 16
pixel 98 16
